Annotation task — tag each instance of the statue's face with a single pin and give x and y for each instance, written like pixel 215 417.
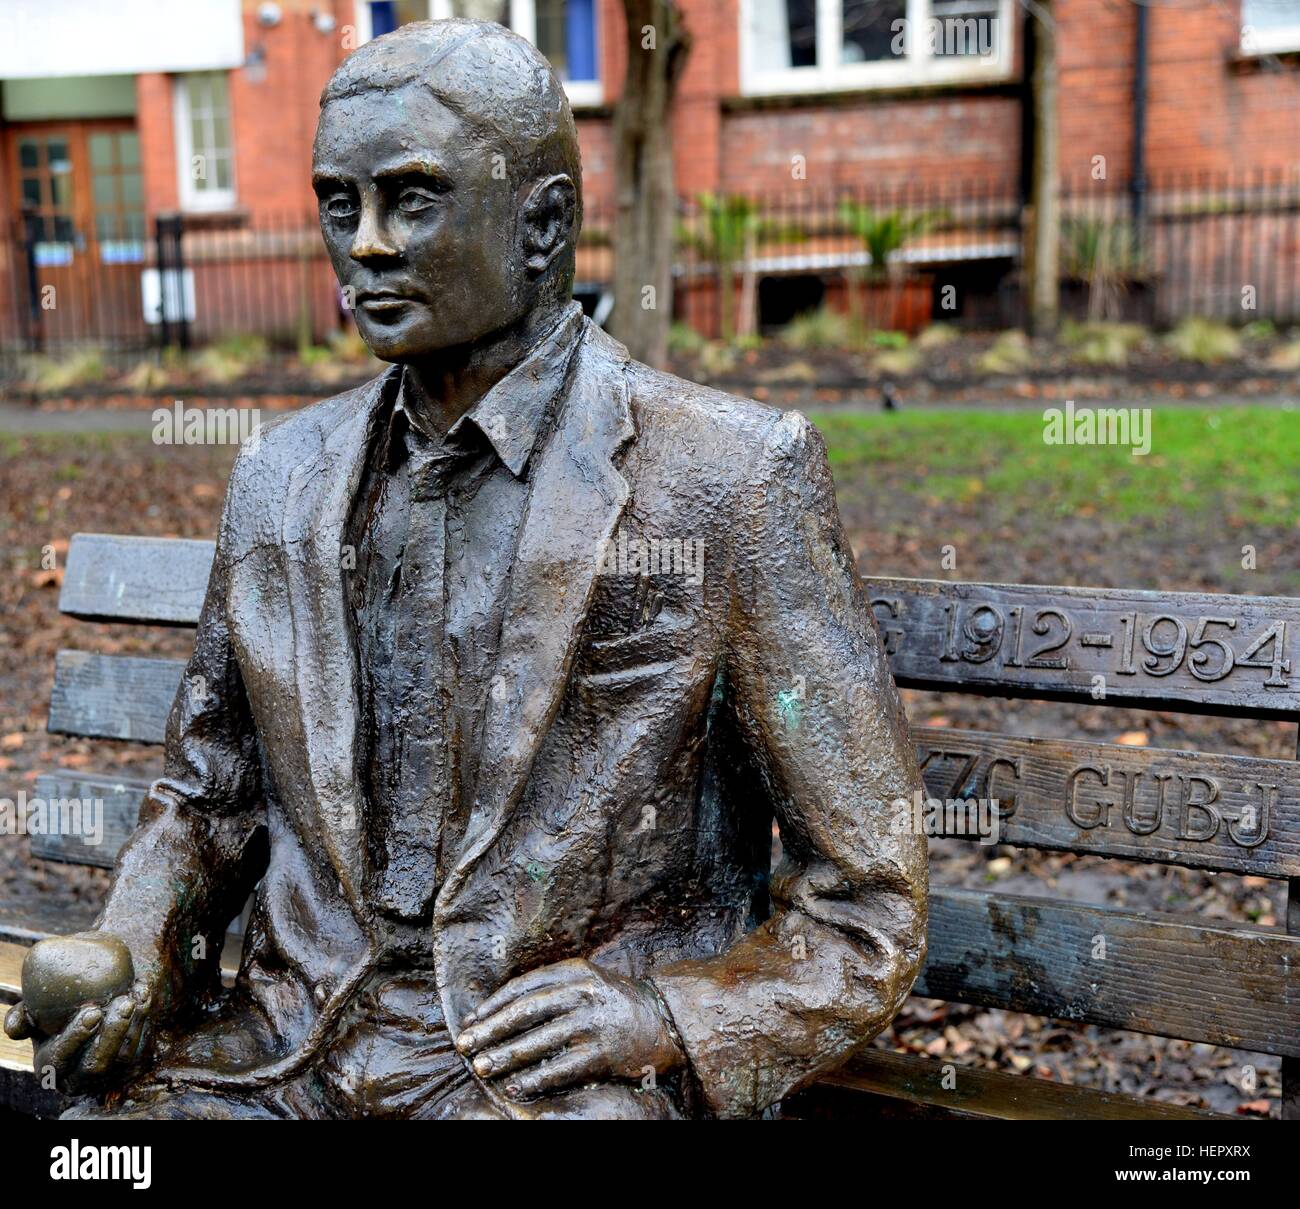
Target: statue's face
pixel 420 233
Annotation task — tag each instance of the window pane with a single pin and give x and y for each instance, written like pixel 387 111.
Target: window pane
pixel 29 155
pixel 872 30
pixel 62 229
pixel 61 186
pixel 486 10
pixel 105 227
pixel 197 87
pixel 221 176
pixel 551 39
pixel 566 35
pixel 1270 14
pixel 964 27
pixel 220 133
pixel 57 151
pixel 101 150
pixel 31 191
pixel 132 190
pixel 128 149
pixel 104 191
pixel 783 34
pixel 217 90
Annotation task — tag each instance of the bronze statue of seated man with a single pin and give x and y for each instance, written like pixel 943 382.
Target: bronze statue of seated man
pixel 507 663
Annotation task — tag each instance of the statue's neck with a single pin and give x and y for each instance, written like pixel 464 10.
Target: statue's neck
pixel 442 388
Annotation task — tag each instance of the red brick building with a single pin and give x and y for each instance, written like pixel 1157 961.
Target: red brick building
pixel 112 115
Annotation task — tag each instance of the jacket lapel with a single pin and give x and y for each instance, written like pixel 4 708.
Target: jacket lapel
pixel 321 491
pixel 576 499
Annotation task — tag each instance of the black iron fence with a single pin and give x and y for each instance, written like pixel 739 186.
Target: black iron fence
pixel 1223 247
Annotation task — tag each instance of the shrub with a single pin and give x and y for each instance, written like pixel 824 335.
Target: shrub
pixel 78 368
pixel 1010 353
pixel 1102 343
pixel 1205 341
pixel 822 328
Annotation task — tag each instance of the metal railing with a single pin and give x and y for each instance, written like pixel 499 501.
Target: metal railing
pixel 1225 247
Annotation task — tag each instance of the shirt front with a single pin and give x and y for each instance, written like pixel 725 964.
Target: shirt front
pixel 435 526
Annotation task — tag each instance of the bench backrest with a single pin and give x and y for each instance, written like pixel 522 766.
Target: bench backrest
pixel 1174 976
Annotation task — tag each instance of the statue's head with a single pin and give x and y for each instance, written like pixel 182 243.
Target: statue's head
pixel 447 168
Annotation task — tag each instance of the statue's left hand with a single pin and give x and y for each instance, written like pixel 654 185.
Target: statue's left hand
pixel 567 1024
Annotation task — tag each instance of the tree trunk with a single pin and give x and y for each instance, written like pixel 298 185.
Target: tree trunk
pixel 657 46
pixel 1043 267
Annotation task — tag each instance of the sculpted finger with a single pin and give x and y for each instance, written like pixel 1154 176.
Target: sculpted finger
pixel 528 1049
pixel 59 1051
pixel 129 1050
pixel 555 1074
pixel 112 1032
pixel 558 974
pixel 515 1017
pixel 18 1024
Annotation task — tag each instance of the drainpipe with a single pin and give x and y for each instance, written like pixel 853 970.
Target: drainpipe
pixel 1028 27
pixel 1138 174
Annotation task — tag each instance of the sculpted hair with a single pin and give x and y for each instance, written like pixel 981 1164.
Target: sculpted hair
pixel 492 79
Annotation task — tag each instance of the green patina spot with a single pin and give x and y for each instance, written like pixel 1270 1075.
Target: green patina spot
pixel 790 706
pixel 536 871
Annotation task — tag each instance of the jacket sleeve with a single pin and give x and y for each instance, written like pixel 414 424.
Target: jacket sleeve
pixel 199 847
pixel 819 712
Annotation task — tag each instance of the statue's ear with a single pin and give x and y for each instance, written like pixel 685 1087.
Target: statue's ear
pixel 546 221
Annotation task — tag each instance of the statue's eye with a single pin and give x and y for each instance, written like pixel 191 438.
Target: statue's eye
pixel 341 206
pixel 412 201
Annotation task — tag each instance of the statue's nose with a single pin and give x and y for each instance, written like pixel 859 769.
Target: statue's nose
pixel 371 241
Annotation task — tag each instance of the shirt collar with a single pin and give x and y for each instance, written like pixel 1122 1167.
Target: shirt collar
pixel 510 416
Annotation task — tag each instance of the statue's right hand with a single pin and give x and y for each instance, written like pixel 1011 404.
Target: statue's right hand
pixel 90 1023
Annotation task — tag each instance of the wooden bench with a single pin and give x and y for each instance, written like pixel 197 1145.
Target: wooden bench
pixel 1173 976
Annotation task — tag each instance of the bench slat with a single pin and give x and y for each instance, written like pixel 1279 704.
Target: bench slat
pixel 135 579
pixel 1134 803
pixel 1221 984
pixel 110 803
pixel 11 970
pixel 878 1083
pixel 1070 644
pixel 113 696
pixel 36 917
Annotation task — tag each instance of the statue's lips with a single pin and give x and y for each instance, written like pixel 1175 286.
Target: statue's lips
pixel 385 303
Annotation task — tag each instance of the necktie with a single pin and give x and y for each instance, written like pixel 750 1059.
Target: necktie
pixel 423 784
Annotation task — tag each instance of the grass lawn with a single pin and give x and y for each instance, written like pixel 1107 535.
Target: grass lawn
pixel 1239 464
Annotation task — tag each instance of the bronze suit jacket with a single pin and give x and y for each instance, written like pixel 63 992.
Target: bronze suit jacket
pixel 644 728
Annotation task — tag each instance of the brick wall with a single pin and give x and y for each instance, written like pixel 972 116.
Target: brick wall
pixel 892 143
pixel 155 125
pixel 275 117
pixel 1206 112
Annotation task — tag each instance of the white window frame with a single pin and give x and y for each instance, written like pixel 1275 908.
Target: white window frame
pixel 916 67
pixel 192 199
pixel 523 20
pixel 1256 41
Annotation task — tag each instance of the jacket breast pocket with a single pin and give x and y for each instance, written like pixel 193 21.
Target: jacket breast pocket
pixel 642 655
